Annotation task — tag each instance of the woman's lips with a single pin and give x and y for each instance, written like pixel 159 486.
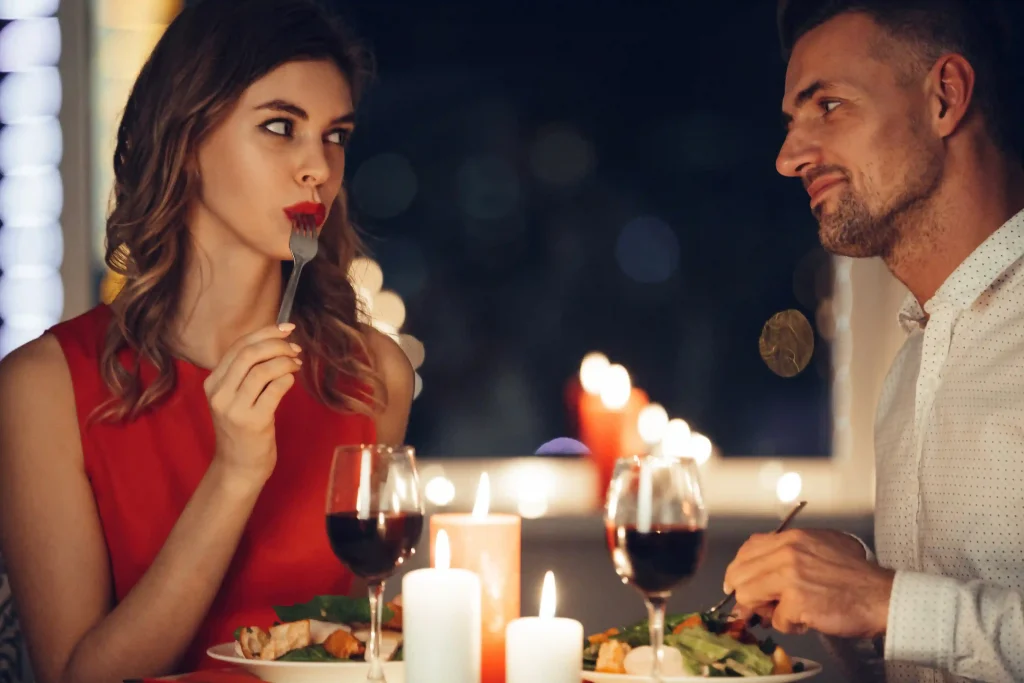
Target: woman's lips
pixel 315 209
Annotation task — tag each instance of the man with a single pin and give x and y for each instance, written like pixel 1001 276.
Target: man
pixel 900 120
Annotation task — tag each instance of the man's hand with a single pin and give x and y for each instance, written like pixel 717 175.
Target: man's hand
pixel 800 579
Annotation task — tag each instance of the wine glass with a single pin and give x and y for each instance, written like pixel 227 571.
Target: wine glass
pixel 374 520
pixel 656 521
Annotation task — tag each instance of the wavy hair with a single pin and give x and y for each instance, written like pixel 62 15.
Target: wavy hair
pixel 205 60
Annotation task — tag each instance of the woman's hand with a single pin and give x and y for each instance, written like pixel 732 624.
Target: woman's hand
pixel 244 391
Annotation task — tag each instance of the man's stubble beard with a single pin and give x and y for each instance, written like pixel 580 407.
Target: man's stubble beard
pixel 851 229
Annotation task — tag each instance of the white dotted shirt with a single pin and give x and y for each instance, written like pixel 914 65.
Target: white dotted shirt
pixel 949 448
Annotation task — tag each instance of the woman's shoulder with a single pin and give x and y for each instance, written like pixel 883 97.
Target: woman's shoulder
pixel 64 361
pixel 36 386
pixel 36 364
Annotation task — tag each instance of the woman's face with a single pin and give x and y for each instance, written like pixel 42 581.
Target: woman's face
pixel 283 143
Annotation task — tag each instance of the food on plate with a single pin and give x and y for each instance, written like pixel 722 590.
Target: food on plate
pixel 695 645
pixel 327 628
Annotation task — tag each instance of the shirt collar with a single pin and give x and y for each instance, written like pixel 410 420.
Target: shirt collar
pixel 911 315
pixel 973 277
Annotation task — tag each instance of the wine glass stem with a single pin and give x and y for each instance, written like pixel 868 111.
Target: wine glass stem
pixel 656 620
pixel 376 673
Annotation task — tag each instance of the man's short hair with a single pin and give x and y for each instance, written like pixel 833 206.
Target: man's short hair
pixel 977 29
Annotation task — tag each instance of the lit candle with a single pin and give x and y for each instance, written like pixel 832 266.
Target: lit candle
pixel 609 413
pixel 545 648
pixel 441 606
pixel 489 545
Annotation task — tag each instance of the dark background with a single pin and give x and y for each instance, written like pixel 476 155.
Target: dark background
pixel 514 257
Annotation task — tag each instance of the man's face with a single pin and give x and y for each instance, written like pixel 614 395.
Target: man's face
pixel 855 135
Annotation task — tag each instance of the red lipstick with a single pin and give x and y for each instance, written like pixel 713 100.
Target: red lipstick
pixel 315 209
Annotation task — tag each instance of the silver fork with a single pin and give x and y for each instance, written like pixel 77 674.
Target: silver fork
pixel 303 245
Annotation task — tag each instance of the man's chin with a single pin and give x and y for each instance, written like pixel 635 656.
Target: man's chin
pixel 838 243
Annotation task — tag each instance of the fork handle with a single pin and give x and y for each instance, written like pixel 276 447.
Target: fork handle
pixel 289 293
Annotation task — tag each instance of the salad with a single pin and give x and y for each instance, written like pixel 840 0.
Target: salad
pixel 695 645
pixel 328 628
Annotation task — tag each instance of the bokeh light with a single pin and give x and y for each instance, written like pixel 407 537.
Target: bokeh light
pixel 487 188
pixel 384 186
pixel 561 156
pixel 647 250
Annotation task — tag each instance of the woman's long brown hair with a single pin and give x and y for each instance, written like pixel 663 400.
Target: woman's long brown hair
pixel 205 60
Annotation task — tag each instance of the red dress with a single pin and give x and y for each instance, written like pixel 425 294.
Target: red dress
pixel 144 472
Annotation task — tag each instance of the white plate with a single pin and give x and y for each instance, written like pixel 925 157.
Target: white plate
pixel 305 672
pixel 811 668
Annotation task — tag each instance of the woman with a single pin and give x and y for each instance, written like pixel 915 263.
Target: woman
pixel 163 461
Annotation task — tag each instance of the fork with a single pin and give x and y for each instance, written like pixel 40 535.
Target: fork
pixel 303 244
pixel 782 527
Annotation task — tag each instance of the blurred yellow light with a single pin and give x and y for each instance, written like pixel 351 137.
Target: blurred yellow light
pixel 592 371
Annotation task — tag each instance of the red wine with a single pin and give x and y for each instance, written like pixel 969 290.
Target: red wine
pixel 657 560
pixel 372 548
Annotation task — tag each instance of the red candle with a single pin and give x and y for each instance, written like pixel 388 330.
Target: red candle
pixel 609 411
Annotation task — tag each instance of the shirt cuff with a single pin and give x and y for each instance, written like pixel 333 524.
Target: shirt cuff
pixel 922 620
pixel 868 555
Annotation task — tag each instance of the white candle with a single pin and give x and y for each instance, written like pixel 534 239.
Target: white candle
pixel 544 648
pixel 441 622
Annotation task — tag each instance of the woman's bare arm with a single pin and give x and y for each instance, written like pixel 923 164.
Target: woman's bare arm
pixel 53 544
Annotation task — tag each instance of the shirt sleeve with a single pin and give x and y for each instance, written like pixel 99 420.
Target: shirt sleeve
pixel 969 628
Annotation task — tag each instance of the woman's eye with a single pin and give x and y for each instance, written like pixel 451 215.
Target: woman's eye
pixel 339 137
pixel 279 127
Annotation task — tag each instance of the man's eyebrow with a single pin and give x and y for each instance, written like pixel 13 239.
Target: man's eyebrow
pixel 805 96
pixel 298 112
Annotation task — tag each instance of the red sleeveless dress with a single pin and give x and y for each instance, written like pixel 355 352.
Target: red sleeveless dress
pixel 144 472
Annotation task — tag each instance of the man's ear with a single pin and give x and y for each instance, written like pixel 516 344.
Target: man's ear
pixel 950 89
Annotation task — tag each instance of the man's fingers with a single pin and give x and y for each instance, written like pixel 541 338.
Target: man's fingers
pixel 789 617
pixel 753 569
pixel 763 590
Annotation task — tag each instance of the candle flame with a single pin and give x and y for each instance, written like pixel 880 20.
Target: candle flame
pixel 615 388
pixel 592 371
pixel 483 497
pixel 675 441
pixel 442 551
pixel 547 596
pixel 700 448
pixel 651 423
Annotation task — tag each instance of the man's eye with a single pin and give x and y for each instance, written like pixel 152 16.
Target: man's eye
pixel 829 105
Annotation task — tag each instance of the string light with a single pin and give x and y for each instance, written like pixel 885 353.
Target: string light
pixel 31 188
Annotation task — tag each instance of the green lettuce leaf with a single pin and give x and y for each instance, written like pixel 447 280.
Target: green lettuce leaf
pixel 313 653
pixel 338 609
